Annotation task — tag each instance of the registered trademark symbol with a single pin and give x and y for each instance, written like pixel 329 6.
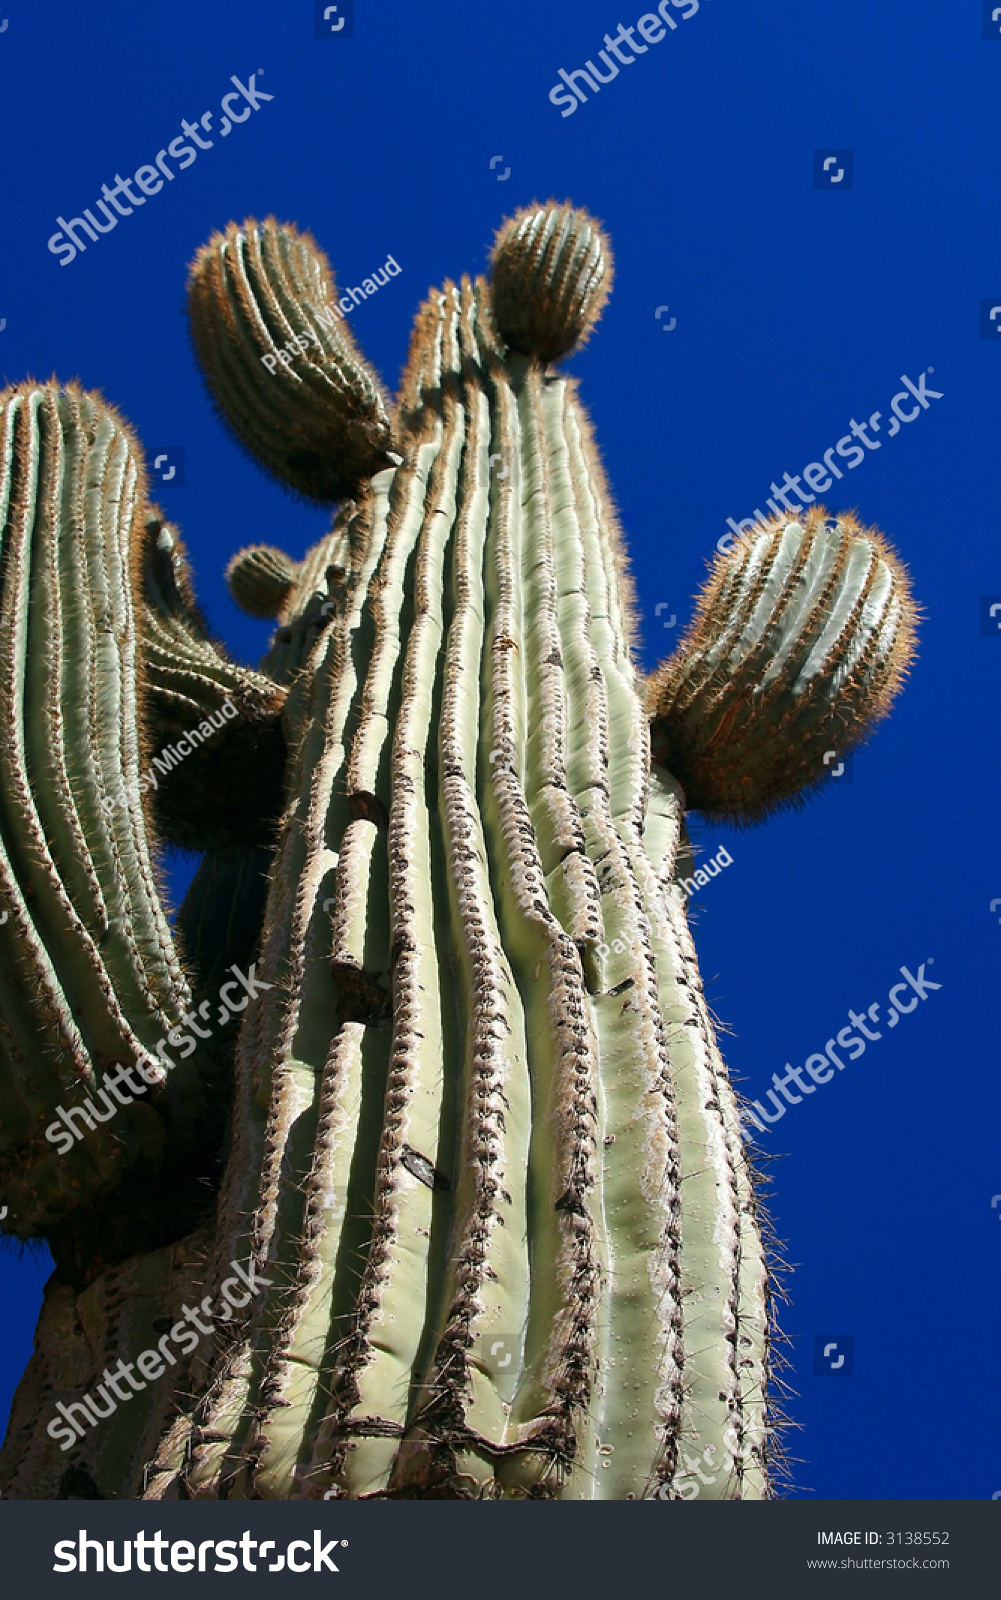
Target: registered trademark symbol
pixel 344 1542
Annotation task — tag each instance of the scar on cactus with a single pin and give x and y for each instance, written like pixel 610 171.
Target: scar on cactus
pixel 472 1141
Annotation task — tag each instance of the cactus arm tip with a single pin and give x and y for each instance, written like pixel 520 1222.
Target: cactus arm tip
pixel 801 641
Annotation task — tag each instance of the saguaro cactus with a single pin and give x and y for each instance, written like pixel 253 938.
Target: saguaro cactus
pixel 473 1146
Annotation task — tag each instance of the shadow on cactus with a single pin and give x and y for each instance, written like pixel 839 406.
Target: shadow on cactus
pixel 471 1138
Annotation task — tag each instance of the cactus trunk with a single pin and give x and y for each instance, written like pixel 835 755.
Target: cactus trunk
pixel 508 1163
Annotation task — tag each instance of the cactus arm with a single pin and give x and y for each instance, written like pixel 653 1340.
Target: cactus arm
pixel 74 714
pixel 323 579
pixel 801 641
pixel 218 926
pixel 95 978
pixel 220 918
pixel 261 580
pixel 117 1313
pixel 96 981
pixel 187 671
pixel 552 273
pixel 32 1464
pixel 231 792
pixel 318 422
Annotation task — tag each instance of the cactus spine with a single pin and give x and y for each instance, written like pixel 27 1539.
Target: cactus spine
pixel 484 1159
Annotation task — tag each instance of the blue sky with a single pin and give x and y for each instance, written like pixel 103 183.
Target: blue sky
pixel 797 309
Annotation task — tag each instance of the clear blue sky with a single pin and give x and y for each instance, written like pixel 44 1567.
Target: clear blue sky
pixel 796 311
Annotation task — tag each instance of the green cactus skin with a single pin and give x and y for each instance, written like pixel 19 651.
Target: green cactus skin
pixel 481 1102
